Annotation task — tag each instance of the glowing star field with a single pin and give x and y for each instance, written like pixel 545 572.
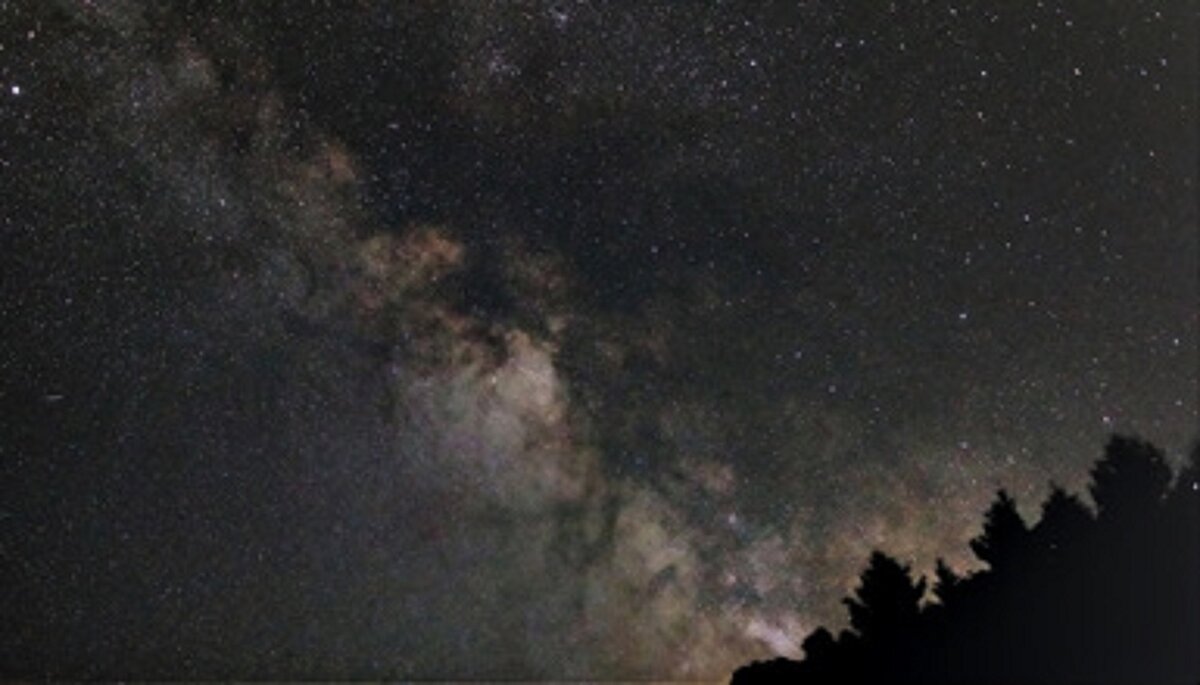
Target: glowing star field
pixel 560 340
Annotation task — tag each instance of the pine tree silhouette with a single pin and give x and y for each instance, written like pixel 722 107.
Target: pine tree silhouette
pixel 1065 520
pixel 947 585
pixel 1130 480
pixel 886 599
pixel 1005 535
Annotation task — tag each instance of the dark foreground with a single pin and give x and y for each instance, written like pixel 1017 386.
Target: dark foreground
pixel 1108 595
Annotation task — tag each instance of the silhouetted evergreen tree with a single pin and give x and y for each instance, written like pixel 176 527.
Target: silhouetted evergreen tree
pixel 1065 520
pixel 1131 480
pixel 947 584
pixel 886 599
pixel 1111 597
pixel 1005 535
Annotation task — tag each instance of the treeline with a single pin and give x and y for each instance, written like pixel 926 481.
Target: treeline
pixel 1110 594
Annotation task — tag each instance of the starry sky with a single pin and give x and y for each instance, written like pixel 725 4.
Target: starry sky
pixel 553 339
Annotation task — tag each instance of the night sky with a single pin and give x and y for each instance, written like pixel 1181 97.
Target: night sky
pixel 544 340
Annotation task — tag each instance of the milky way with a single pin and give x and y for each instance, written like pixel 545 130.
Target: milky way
pixel 554 340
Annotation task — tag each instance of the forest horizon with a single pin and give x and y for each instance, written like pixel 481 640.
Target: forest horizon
pixel 1106 593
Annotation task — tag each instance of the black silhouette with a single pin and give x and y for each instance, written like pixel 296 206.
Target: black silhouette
pixel 886 601
pixel 1110 596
